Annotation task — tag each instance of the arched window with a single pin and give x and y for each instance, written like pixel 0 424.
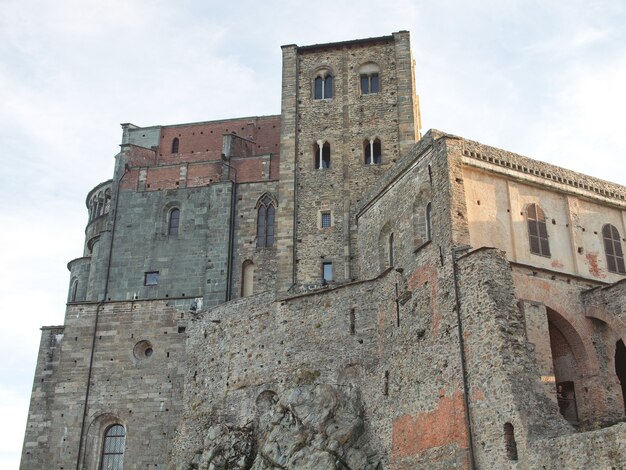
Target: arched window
pixel 107 201
pixel 537 230
pixel 99 204
pixel 322 155
pixel 175 144
pixel 74 290
pixel 247 278
pixel 613 249
pixel 369 75
pixel 113 448
pixel 372 152
pixel 510 446
pixel 172 226
pixel 391 250
pixel 265 222
pixel 323 85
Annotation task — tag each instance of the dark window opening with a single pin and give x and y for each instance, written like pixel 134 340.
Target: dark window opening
pixel 323 87
pixel 509 441
pixel 151 278
pixel 566 399
pixel 386 384
pixel 620 365
pixel 74 291
pixel 175 144
pixel 613 249
pixel 172 228
pixel 372 152
pixel 391 250
pixel 265 222
pixel 352 322
pixel 429 222
pixel 327 272
pixel 537 231
pixel 322 155
pixel 113 448
pixel 370 83
pixel 326 219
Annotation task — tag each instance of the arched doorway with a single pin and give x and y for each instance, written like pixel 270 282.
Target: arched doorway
pixel 566 366
pixel 620 365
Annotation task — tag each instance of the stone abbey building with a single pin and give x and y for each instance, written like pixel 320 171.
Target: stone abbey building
pixel 326 288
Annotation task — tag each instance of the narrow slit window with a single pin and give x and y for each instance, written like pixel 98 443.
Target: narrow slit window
pixel 613 249
pixel 74 290
pixel 537 231
pixel 429 222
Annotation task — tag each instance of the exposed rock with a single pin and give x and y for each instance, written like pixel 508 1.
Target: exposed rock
pixel 313 427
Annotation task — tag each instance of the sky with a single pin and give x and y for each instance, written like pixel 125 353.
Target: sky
pixel 542 78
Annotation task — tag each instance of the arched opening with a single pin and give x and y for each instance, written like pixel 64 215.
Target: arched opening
pixel 372 153
pixel 509 441
pixel 247 278
pixel 620 365
pixel 265 222
pixel 172 228
pixel 175 145
pixel 567 371
pixel 322 155
pixel 323 85
pixel 113 448
pixel 74 290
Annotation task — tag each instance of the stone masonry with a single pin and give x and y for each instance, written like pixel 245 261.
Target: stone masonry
pixel 200 329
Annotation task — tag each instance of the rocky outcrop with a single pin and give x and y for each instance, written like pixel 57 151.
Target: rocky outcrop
pixel 313 427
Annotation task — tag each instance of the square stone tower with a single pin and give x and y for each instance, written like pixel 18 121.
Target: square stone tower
pixel 349 111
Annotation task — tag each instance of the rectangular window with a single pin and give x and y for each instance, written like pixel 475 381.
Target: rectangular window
pixel 327 271
pixel 325 219
pixel 151 278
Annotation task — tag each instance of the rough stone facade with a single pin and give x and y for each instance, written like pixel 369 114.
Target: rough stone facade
pixel 198 321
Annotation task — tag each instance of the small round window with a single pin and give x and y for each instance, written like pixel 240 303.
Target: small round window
pixel 143 350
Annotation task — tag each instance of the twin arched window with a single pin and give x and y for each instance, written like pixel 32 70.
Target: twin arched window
pixel 537 230
pixel 613 249
pixel 369 75
pixel 372 152
pixel 322 155
pixel 113 448
pixel 265 222
pixel 323 85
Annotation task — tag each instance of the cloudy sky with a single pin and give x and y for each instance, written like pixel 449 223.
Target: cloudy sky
pixel 546 79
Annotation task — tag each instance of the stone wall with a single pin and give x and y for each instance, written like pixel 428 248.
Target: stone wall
pixel 129 385
pixel 345 122
pixel 192 263
pixel 264 260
